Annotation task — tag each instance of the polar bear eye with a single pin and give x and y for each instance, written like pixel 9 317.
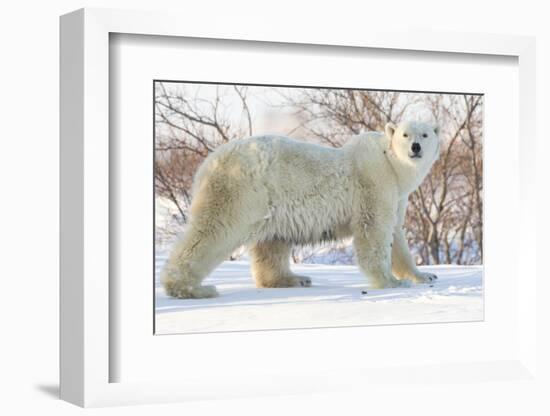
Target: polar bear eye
pixel 424 135
pixel 405 135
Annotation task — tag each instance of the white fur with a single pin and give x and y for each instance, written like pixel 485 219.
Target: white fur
pixel 272 192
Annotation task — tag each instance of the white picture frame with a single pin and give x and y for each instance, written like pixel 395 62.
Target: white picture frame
pixel 85 164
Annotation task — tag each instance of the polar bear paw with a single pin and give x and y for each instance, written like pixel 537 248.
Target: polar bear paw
pixel 424 278
pixel 292 280
pixel 399 283
pixel 181 290
pixel 303 281
pixel 389 283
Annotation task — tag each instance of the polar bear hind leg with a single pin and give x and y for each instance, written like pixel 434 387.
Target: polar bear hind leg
pixel 198 253
pixel 218 226
pixel 271 268
pixel 190 261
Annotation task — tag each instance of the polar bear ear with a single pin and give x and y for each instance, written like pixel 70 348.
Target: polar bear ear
pixel 436 130
pixel 390 129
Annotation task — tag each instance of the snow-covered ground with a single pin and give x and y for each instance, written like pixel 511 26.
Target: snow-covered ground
pixel 335 299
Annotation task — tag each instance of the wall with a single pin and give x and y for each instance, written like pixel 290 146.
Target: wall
pixel 29 209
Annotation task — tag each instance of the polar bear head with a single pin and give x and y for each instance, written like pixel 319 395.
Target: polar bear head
pixel 414 143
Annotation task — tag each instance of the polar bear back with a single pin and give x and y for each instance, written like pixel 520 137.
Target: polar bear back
pixel 292 190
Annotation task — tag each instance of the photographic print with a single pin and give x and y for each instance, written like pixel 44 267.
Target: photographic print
pixel 290 207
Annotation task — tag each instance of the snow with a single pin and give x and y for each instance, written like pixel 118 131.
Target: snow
pixel 335 299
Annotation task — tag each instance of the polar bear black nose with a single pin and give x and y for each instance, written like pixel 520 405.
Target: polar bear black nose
pixel 415 147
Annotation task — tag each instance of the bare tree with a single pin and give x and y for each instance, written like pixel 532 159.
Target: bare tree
pixel 187 128
pixel 331 115
pixel 444 220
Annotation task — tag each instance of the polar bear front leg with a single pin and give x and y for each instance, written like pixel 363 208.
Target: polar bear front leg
pixel 403 265
pixel 373 251
pixel 271 268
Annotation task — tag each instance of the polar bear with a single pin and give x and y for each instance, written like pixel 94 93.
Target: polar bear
pixel 272 192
